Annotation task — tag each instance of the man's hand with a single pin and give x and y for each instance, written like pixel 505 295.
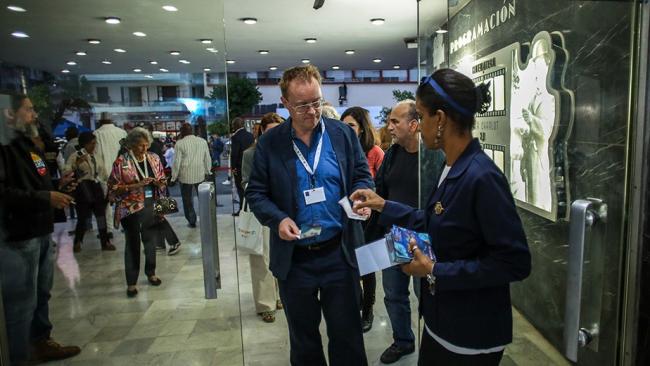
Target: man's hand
pixel 288 230
pixel 60 200
pixel 421 265
pixel 363 198
pixel 67 183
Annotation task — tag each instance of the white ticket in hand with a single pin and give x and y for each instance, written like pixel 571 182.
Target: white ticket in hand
pixel 345 203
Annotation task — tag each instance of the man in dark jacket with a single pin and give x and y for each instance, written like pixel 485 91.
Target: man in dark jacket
pixel 27 199
pixel 301 170
pixel 240 141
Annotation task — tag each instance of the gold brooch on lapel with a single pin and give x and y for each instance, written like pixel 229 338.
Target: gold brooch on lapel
pixel 438 208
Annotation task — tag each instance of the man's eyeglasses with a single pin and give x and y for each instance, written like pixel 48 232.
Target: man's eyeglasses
pixel 304 108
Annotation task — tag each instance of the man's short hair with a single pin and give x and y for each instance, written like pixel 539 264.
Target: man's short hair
pixel 412 113
pixel 305 73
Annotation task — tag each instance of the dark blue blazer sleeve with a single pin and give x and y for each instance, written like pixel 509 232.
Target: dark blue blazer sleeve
pixel 395 213
pixel 506 257
pixel 258 193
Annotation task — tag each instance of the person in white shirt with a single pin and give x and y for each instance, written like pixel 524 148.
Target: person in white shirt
pixel 108 146
pixel 169 155
pixel 192 163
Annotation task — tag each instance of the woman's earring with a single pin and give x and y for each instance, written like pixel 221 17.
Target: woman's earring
pixel 439 134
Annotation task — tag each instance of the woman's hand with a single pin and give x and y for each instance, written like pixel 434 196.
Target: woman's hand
pixel 421 265
pixel 363 198
pixel 160 182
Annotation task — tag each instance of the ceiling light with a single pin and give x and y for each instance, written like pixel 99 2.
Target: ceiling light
pixel 174 53
pixel 112 20
pixel 163 70
pixel 206 41
pixel 184 62
pixel 263 52
pixel 81 53
pixel 378 21
pixel 212 49
pixel 273 68
pixel 94 41
pixel 336 67
pixel 206 69
pixel 19 34
pixel 305 60
pixel 310 40
pixel 170 8
pixel 376 60
pixel 71 63
pixel 65 71
pixel 137 70
pixel 106 62
pixel 396 67
pixel 16 8
pixel 139 34
pixel 230 61
pixel 148 76
pixel 441 31
pixel 153 62
pixel 119 50
pixel 249 21
pixel 349 52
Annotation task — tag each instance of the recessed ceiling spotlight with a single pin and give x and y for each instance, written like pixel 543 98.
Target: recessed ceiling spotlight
pixel 396 67
pixel 19 34
pixel 273 68
pixel 184 62
pixel 113 20
pixel 206 41
pixel 153 62
pixel 16 8
pixel 212 49
pixel 376 60
pixel 106 62
pixel 148 76
pixel 230 61
pixel 249 21
pixel 441 31
pixel 139 34
pixel 310 40
pixel 263 52
pixel 65 71
pixel 174 53
pixel 378 21
pixel 71 63
pixel 94 41
pixel 207 69
pixel 349 52
pixel 81 53
pixel 163 70
pixel 170 8
pixel 336 67
pixel 137 70
pixel 119 50
pixel 305 60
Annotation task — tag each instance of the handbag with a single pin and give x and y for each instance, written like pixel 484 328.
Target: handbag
pixel 249 232
pixel 165 206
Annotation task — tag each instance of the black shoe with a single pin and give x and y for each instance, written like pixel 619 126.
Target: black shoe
pixel 154 281
pixel 394 353
pixel 131 293
pixel 192 225
pixel 174 248
pixel 366 321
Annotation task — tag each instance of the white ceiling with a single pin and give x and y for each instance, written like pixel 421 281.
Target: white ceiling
pixel 59 28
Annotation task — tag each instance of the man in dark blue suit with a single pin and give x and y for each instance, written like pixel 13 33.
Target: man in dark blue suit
pixel 301 169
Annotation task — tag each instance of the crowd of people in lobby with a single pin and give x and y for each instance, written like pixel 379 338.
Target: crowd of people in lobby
pixel 291 173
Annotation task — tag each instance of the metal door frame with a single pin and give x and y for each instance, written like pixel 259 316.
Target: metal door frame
pixel 639 137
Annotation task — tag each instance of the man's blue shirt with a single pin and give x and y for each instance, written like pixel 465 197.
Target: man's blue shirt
pixel 327 214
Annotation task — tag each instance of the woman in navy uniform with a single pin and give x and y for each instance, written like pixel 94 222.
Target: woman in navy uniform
pixel 476 234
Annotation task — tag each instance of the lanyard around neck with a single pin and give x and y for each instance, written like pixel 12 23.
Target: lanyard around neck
pixel 318 152
pixel 144 174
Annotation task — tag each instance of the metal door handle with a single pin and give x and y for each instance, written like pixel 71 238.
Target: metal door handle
pixel 584 214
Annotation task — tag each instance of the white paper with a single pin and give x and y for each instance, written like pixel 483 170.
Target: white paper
pixel 373 257
pixel 345 203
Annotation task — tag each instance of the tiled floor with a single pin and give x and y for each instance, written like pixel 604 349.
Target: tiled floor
pixel 174 325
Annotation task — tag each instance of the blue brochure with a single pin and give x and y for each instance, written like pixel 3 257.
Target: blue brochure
pixel 397 242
